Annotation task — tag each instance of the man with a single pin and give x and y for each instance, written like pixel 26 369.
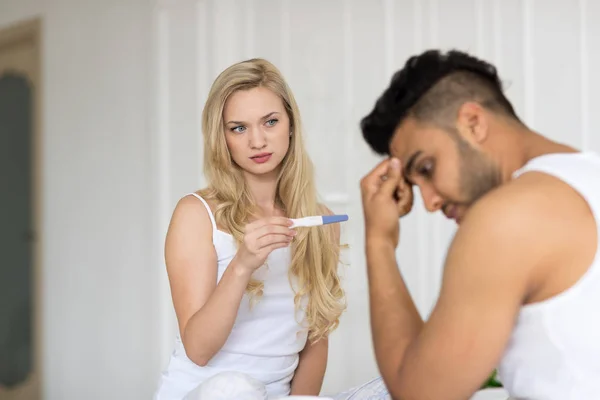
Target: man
pixel 521 284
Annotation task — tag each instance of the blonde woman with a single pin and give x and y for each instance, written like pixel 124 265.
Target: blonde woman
pixel 255 300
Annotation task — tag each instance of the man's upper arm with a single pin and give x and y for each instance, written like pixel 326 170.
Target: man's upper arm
pixel 190 258
pixel 486 279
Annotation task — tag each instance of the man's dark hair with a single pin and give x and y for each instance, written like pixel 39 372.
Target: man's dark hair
pixel 431 87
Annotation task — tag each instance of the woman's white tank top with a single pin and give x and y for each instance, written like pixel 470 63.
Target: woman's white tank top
pixel 265 340
pixel 554 351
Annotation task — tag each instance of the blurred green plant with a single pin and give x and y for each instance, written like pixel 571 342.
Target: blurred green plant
pixel 492 381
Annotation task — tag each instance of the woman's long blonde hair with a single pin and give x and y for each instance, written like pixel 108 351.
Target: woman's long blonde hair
pixel 315 252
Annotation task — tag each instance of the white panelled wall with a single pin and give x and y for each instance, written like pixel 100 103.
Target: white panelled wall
pixel 124 82
pixel 338 56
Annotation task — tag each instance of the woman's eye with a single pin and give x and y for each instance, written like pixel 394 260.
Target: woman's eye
pixel 272 122
pixel 238 129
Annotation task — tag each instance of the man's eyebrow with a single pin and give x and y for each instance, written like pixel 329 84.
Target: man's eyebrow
pixel 410 165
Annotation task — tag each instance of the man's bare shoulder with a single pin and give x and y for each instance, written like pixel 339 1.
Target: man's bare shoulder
pixel 527 204
pixel 536 216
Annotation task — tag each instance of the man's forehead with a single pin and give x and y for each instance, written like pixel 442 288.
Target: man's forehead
pixel 402 140
pixel 411 136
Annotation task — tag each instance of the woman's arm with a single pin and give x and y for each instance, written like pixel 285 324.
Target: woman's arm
pixel 309 375
pixel 192 268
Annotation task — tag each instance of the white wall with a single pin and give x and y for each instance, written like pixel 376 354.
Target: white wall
pixel 338 56
pixel 124 85
pixel 99 298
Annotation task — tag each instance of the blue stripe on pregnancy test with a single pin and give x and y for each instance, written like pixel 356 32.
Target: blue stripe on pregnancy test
pixel 332 219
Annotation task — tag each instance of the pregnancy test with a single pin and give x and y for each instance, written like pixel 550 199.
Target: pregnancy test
pixel 318 220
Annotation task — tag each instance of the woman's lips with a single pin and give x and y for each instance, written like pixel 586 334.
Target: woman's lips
pixel 261 158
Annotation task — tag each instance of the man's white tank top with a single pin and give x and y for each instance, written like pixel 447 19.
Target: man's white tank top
pixel 266 337
pixel 554 351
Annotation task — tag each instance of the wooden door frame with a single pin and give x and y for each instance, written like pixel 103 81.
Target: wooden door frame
pixel 29 33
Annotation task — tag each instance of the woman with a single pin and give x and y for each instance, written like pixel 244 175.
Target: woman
pixel 255 300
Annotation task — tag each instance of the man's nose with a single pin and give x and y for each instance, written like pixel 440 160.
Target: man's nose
pixel 431 199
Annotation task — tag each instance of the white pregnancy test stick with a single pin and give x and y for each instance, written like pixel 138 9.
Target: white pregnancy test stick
pixel 318 220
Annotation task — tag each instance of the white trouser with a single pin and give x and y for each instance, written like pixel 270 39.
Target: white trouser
pixel 229 386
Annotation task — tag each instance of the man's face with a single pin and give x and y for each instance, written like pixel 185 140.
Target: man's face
pixel 450 172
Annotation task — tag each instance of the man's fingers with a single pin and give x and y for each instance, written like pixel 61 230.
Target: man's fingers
pixel 373 178
pixel 393 178
pixel 380 169
pixel 371 183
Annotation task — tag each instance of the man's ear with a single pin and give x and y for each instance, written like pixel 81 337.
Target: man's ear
pixel 472 122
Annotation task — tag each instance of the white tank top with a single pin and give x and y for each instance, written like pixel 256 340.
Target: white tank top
pixel 265 340
pixel 554 351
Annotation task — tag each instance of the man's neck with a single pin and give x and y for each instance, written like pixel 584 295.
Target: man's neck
pixel 537 145
pixel 525 145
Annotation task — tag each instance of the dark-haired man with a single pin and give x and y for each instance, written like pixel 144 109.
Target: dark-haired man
pixel 521 285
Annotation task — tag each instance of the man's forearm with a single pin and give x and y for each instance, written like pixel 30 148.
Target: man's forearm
pixel 395 321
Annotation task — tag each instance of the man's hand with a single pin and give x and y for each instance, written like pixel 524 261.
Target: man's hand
pixel 386 197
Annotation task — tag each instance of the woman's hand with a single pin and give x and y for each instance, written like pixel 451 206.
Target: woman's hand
pixel 261 237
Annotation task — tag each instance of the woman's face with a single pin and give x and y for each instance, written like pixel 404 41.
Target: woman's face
pixel 257 130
